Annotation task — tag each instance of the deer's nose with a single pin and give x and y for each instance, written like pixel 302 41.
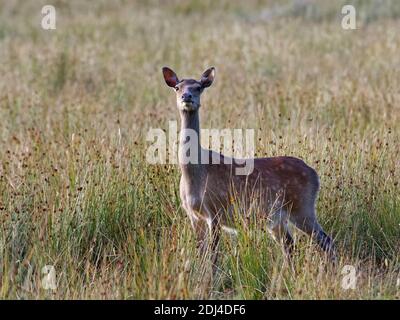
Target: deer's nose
pixel 186 97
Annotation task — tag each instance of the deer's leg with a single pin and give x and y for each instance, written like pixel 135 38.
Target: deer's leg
pixel 200 228
pixel 215 231
pixel 280 232
pixel 209 257
pixel 308 223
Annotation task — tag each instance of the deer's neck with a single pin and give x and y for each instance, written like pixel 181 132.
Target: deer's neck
pixel 190 148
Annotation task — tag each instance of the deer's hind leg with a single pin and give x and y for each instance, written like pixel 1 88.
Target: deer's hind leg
pixel 306 220
pixel 278 227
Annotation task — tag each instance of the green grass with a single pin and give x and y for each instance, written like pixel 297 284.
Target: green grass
pixel 76 104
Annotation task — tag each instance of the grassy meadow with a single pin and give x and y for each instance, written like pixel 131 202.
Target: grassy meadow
pixel 76 104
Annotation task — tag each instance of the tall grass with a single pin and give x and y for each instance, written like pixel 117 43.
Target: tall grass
pixel 76 104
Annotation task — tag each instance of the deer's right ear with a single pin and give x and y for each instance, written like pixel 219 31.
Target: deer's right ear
pixel 170 77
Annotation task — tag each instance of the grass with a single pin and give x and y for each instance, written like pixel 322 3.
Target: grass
pixel 76 104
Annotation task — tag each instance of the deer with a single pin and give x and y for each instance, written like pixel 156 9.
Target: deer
pixel 286 187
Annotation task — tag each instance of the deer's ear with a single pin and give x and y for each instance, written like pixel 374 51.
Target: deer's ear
pixel 170 77
pixel 207 77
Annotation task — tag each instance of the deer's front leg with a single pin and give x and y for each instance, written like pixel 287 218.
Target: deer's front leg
pixel 215 231
pixel 200 228
pixel 207 236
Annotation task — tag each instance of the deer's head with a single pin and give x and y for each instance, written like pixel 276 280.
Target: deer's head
pixel 188 91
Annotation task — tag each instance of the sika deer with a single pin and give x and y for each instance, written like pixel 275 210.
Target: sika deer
pixel 285 186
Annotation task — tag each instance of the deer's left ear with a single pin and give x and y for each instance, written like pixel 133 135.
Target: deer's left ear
pixel 207 77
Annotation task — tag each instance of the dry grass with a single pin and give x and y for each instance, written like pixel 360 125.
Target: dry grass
pixel 76 104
